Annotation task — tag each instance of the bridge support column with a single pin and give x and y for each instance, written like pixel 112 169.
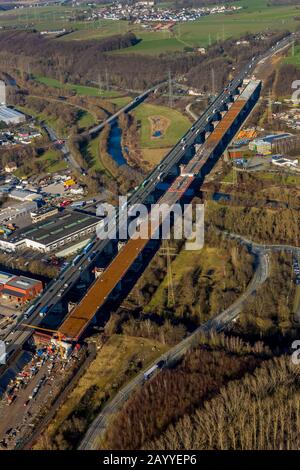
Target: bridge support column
pixel 86 277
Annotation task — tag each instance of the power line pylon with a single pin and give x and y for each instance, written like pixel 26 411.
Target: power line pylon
pixel 171 100
pixel 213 83
pixel 168 252
pixel 106 80
pixel 99 84
pixel 270 115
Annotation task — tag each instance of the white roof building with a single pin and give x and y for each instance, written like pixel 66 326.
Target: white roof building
pixel 10 116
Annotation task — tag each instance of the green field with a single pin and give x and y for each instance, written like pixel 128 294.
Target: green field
pixel 78 89
pixel 294 57
pixel 53 161
pixel 178 125
pixel 92 156
pixel 84 119
pixel 256 16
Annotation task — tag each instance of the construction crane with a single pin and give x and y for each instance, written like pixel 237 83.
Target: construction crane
pixel 56 332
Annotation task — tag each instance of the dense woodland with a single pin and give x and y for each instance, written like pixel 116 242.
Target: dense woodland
pixel 199 377
pixel 278 226
pixel 259 412
pixel 270 313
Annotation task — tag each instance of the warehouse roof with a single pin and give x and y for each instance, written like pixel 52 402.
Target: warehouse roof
pixel 55 228
pixel 12 292
pixel 22 282
pixel 8 113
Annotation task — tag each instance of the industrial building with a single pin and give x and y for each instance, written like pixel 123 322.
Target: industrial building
pixel 11 116
pixel 264 145
pixel 14 212
pixel 19 288
pixel 43 213
pixel 25 195
pixel 53 233
pixel 4 278
pixel 279 160
pixel 8 115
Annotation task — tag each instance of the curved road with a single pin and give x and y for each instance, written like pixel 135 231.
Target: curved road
pixel 98 427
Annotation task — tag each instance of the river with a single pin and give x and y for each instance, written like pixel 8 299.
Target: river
pixel 114 146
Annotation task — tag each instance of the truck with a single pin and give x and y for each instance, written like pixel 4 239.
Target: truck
pixel 76 259
pixel 44 311
pixel 150 372
pixel 88 247
pixel 29 312
pixel 78 204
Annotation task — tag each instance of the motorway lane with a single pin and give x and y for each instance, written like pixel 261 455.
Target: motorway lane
pixel 72 275
pixel 96 430
pixel 126 108
pixel 64 147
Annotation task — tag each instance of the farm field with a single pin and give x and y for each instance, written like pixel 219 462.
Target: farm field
pixel 256 16
pixel 78 89
pixel 293 59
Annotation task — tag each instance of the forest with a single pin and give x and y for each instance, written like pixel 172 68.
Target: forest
pixel 258 412
pixel 197 378
pixel 81 62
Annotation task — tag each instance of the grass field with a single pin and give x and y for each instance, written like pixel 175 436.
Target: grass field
pixel 85 120
pixel 154 156
pixel 53 161
pixel 211 260
pixel 42 117
pixel 296 305
pixel 179 124
pixel 294 57
pixel 108 369
pixel 78 89
pixel 92 155
pixel 256 16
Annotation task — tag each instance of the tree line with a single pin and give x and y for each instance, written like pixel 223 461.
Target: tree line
pixel 172 393
pixel 258 412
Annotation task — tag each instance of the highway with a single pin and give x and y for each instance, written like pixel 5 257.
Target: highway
pixel 220 322
pixel 63 147
pixel 125 109
pixel 72 274
pixel 81 316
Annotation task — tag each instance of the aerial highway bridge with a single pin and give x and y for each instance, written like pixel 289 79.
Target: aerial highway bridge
pixel 223 115
pixel 199 165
